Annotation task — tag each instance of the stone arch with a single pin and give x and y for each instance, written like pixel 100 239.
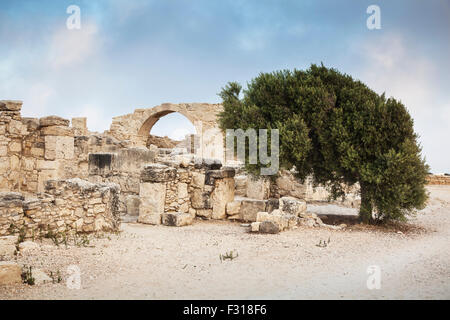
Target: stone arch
pixel 135 127
pixel 148 124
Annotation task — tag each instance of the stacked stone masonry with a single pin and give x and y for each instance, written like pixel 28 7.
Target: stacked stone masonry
pixel 66 205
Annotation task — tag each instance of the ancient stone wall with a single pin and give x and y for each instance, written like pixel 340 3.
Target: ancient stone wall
pixel 438 179
pixel 134 128
pixel 66 205
pixel 122 167
pixel 184 189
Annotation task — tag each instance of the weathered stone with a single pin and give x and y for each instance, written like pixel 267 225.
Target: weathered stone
pixel 250 208
pixel 53 121
pixel 272 204
pixel 222 194
pixel 152 200
pixel 204 213
pixel 292 205
pixel 198 180
pixel 158 173
pixel 258 188
pixel 154 218
pixel 182 190
pixel 10 196
pixel 254 227
pixel 57 147
pixel 200 199
pixel 10 273
pixel 132 204
pixel 268 227
pixel 240 182
pixel 57 131
pixel 233 208
pixel 177 219
pixel 10 105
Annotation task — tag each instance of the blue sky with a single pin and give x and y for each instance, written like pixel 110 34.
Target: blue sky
pixel 136 53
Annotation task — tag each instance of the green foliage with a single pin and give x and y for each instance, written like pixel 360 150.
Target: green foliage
pixel 339 131
pixel 27 276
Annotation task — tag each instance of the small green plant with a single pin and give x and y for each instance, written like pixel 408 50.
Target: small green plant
pixel 323 243
pixel 27 276
pixel 228 256
pixel 81 242
pixel 56 278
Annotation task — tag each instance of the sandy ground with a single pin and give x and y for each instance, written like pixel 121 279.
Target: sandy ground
pixel 157 262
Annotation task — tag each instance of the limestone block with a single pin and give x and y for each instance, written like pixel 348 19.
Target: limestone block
pixel 53 121
pixel 47 165
pixel 240 185
pixel 79 126
pixel 17 128
pixel 222 194
pixel 233 208
pixel 57 131
pixel 200 199
pixel 258 188
pixel 158 173
pixel 152 200
pixel 204 213
pixel 212 175
pixel 177 219
pixel 250 209
pixel 10 105
pixel 272 204
pixel 254 227
pixel 292 205
pixel 59 147
pixel 132 203
pixel 182 190
pixel 154 219
pixel 5 164
pixel 3 151
pixel 14 163
pixel 268 227
pixel 198 180
pixel 44 176
pixel 10 273
pixel 15 147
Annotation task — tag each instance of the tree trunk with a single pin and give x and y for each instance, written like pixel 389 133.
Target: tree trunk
pixel 365 211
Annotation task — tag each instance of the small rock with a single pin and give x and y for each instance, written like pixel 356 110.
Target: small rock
pixel 255 226
pixel 269 227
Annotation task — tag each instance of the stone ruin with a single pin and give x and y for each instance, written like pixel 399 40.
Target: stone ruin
pixel 57 175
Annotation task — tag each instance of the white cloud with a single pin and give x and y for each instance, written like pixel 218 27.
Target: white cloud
pixel 69 47
pixel 393 67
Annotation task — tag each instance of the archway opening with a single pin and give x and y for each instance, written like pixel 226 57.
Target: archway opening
pixel 169 130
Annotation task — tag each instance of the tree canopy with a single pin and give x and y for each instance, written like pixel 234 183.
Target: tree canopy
pixel 340 132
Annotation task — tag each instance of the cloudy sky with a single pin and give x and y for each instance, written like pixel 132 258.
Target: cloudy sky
pixel 136 53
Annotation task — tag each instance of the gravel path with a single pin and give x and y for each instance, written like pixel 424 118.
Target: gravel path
pixel 157 262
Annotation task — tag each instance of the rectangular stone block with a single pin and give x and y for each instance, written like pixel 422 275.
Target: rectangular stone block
pixel 154 218
pixel 250 209
pixel 177 219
